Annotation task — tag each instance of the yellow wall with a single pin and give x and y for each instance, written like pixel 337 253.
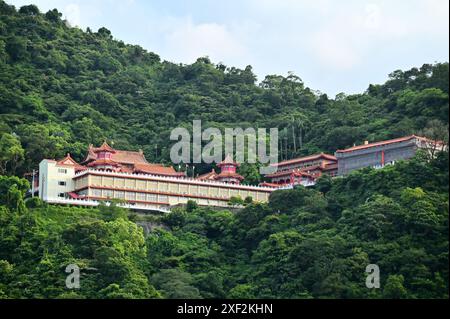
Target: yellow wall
pixel 128 188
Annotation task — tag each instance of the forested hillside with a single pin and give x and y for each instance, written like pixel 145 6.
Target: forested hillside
pixel 62 88
pixel 305 243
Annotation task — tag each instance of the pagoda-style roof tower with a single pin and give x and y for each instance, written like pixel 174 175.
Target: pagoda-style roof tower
pixel 107 158
pixel 210 176
pixel 228 171
pixel 103 158
pixel 69 161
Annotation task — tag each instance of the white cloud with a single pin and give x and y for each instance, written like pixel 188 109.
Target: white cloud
pixel 188 41
pixel 344 41
pixel 334 45
pixel 72 13
pixel 334 52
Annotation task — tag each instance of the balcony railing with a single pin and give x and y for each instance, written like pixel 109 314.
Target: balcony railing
pixel 90 202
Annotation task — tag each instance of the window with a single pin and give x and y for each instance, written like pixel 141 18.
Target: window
pixel 119 182
pixel 119 194
pixel 62 170
pixel 107 181
pixel 130 196
pixel 96 180
pixel 141 196
pixel 97 192
pixel 130 183
pixel 62 183
pixel 183 189
pixel 61 195
pixel 140 184
pixel 108 193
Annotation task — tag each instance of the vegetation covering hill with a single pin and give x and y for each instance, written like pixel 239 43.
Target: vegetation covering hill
pixel 305 243
pixel 62 88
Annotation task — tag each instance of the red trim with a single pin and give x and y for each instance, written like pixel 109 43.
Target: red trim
pixel 127 200
pixel 228 161
pixel 295 171
pixel 223 175
pixel 104 147
pixel 306 159
pixel 151 192
pixel 103 162
pixel 271 184
pixel 382 143
pixel 178 181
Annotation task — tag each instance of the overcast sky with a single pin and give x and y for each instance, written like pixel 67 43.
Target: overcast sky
pixel 333 45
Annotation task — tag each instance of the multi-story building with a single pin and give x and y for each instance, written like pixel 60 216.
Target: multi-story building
pixel 380 154
pixel 107 174
pixel 227 172
pixel 303 170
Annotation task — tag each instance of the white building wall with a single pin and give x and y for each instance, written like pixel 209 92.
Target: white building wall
pixel 51 176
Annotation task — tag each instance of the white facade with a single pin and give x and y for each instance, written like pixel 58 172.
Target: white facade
pixel 60 183
pixel 55 180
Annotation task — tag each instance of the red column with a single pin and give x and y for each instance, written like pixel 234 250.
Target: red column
pixel 382 158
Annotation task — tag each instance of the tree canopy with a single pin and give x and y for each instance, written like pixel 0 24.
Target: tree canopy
pixel 62 88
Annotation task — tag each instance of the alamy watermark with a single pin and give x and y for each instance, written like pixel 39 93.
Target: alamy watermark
pixel 255 140
pixel 73 279
pixel 373 277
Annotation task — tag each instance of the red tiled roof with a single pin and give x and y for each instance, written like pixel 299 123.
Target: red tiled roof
pixel 330 167
pixel 73 195
pixel 68 160
pixel 303 170
pixel 104 147
pixel 306 159
pixel 122 157
pixel 103 162
pixel 208 176
pixel 382 143
pixel 156 169
pixel 280 173
pixel 229 175
pixel 129 157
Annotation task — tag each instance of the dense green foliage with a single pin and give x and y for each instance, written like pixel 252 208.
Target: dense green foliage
pixel 305 243
pixel 62 88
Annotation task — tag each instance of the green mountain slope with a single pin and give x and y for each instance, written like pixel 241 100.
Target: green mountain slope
pixel 62 88
pixel 306 243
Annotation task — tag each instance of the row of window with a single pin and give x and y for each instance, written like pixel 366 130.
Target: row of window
pixel 167 187
pixel 300 165
pixel 156 198
pixel 107 193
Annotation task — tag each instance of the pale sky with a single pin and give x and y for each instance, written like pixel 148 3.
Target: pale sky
pixel 333 45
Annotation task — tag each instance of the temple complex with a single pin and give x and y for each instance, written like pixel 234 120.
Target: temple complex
pixel 227 172
pixel 108 159
pixel 303 170
pixel 107 173
pixel 380 154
